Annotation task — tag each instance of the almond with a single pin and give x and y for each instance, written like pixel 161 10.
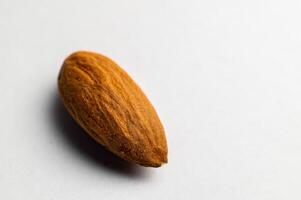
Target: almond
pixel 112 109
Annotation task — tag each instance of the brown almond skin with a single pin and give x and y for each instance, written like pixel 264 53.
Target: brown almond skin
pixel 112 109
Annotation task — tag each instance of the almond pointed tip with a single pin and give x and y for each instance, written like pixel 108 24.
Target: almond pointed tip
pixel 159 158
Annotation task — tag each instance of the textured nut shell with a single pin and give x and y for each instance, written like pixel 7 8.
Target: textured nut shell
pixel 109 105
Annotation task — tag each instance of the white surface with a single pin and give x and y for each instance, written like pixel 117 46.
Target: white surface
pixel 224 77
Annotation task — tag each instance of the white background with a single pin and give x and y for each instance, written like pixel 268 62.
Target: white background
pixel 224 76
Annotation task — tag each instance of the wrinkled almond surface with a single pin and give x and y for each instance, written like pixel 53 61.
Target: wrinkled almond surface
pixel 112 109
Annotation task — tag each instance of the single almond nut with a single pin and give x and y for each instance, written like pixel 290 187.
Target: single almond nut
pixel 112 109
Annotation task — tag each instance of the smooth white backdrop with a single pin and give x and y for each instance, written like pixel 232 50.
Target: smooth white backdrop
pixel 224 76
